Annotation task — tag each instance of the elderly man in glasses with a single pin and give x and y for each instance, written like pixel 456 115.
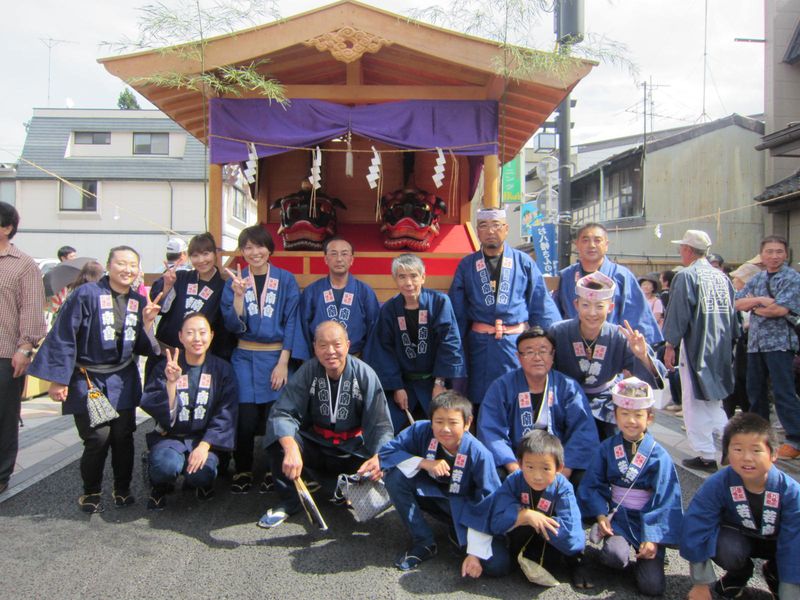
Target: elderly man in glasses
pixel 497 293
pixel 537 397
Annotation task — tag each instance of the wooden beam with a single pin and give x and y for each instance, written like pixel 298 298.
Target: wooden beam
pixel 362 94
pixel 355 73
pixel 215 202
pixel 393 57
pixel 491 181
pixel 495 88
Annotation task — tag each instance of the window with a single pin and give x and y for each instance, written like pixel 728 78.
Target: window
pixel 239 204
pixel 151 143
pixel 8 192
pixel 95 138
pixel 84 198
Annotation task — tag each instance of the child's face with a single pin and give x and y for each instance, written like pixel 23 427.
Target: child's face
pixel 632 423
pixel 449 427
pixel 539 470
pixel 593 312
pixel 750 457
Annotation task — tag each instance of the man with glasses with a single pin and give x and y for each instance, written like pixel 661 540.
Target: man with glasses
pixel 339 297
pixel 497 293
pixel 537 397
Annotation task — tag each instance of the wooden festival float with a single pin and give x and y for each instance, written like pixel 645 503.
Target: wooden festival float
pixel 382 86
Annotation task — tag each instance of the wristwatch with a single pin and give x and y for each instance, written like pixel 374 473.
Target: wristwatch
pixel 439 381
pixel 25 353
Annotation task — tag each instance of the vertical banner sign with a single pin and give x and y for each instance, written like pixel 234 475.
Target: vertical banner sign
pixel 512 181
pixel 545 243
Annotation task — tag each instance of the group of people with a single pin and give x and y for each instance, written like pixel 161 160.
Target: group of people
pixel 337 383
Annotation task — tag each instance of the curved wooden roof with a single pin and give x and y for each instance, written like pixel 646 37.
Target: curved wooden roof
pixel 351 53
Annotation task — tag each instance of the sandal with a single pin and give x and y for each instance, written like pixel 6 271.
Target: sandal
pixel 91 503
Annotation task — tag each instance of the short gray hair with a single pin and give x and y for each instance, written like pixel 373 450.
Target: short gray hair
pixel 408 262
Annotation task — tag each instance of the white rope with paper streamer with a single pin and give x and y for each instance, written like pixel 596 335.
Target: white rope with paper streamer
pixel 374 180
pixel 314 179
pixel 438 170
pixel 252 163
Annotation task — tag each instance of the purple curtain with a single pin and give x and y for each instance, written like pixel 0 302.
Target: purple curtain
pixel 465 126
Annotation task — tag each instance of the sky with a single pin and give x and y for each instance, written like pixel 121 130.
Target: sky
pixel 665 39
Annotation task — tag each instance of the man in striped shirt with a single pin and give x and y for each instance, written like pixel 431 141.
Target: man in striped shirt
pixel 22 325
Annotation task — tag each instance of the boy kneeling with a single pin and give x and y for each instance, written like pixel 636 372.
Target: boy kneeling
pixel 633 474
pixel 537 509
pixel 438 467
pixel 747 510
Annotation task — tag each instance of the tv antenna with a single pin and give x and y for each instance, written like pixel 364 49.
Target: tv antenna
pixel 51 43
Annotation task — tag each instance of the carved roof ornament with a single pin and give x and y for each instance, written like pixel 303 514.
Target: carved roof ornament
pixel 348 44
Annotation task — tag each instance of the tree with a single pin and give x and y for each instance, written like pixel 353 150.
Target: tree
pixel 127 101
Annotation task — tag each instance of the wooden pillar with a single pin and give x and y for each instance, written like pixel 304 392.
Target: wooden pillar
pixel 215 202
pixel 491 181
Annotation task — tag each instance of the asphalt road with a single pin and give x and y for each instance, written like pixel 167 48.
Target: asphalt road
pixel 48 549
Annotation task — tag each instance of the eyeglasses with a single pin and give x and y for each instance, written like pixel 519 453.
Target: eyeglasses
pixel 344 254
pixel 528 354
pixel 484 226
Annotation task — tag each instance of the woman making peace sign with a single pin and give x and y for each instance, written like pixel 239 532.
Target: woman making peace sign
pixel 259 306
pixel 194 400
pixel 100 329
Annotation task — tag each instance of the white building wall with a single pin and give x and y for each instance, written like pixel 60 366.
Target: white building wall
pixel 138 214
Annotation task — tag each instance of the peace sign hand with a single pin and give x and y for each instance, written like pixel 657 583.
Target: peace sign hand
pixel 238 284
pixel 151 311
pixel 169 276
pixel 636 341
pixel 172 369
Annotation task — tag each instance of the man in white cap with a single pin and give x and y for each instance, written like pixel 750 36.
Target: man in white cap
pixel 630 303
pixel 176 255
pixel 702 319
pixel 497 293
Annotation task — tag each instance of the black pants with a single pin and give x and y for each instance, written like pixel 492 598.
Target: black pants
pixel 317 460
pixel 116 435
pixel 251 423
pixel 10 400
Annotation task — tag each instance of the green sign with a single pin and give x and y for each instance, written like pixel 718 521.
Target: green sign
pixel 512 180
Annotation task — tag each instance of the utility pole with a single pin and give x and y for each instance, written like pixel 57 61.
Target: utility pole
pixel 569 31
pixel 50 43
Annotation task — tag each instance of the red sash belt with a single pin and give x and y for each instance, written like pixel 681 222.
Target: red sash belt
pixel 337 437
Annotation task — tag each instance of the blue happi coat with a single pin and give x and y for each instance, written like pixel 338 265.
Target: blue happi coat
pixel 357 312
pixel 207 413
pixel 401 365
pixel 269 319
pixel 610 357
pixel 659 520
pixel 506 415
pixel 521 297
pixel 557 500
pixel 721 500
pixel 629 301
pixel 191 294
pixel 83 334
pixel 472 478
